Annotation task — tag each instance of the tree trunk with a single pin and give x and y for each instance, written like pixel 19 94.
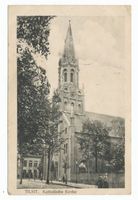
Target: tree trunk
pixel 88 172
pixel 21 167
pixel 48 167
pixel 96 161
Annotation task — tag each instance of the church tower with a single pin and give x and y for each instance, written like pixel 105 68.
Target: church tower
pixel 71 96
pixel 72 107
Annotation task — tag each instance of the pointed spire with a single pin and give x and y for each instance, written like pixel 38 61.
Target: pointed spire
pixel 69 51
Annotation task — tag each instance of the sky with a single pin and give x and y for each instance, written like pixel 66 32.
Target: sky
pixel 100 48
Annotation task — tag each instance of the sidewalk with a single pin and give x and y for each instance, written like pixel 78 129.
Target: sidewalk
pixel 31 183
pixel 75 185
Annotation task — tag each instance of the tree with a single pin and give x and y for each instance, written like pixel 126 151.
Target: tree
pixel 114 152
pixel 118 127
pixel 48 138
pixel 34 31
pixel 92 141
pixel 32 83
pixel 118 148
pixel 28 99
pixel 118 161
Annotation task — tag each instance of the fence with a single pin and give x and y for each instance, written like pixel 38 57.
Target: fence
pixel 115 180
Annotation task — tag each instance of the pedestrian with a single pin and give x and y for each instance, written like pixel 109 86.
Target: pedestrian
pixel 41 177
pixel 52 177
pixel 66 181
pixel 63 179
pixel 100 182
pixel 105 182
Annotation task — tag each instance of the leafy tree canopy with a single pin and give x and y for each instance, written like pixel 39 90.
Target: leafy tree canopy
pixel 93 137
pixel 35 31
pixel 32 86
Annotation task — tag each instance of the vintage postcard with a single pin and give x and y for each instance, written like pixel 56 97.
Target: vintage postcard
pixel 69 110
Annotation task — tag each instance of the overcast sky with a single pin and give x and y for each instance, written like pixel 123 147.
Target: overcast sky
pixel 99 45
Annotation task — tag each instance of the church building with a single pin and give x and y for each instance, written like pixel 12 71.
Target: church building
pixel 73 112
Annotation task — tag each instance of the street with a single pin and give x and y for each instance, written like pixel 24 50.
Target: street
pixel 37 184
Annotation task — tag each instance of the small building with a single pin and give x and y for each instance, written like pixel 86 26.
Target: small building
pixel 31 165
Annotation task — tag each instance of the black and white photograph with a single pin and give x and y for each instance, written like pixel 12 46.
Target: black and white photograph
pixel 69 103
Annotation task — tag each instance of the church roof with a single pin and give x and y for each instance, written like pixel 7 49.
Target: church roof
pixel 101 117
pixel 116 124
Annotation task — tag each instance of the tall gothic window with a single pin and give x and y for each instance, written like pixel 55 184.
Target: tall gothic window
pixel 65 105
pixel 66 148
pixel 79 107
pixel 72 76
pixel 65 75
pixel 72 108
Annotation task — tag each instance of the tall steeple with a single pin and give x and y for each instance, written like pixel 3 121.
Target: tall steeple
pixel 71 95
pixel 69 52
pixel 68 64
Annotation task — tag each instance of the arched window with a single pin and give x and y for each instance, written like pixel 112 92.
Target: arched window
pixel 72 76
pixel 66 130
pixel 65 75
pixel 65 89
pixel 79 107
pixel 72 108
pixel 82 167
pixel 65 105
pixel 72 105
